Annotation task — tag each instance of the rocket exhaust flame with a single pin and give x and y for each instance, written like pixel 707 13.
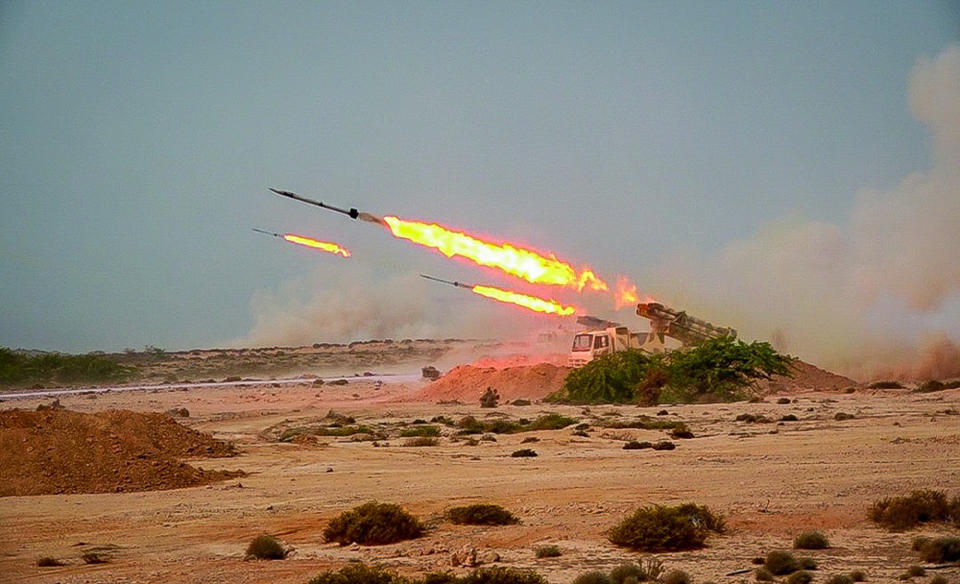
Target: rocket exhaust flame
pixel 525 300
pixel 517 261
pixel 309 242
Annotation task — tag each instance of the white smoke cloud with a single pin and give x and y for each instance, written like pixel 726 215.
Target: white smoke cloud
pixel 876 295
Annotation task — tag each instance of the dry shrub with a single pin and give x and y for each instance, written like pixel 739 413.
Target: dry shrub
pixel 783 400
pixel 47 562
pixel 810 540
pixel 634 445
pixel 842 416
pixel 497 575
pixel 676 577
pixel 900 513
pixel 763 575
pixel 595 577
pixel 916 571
pixel 661 528
pixel 418 431
pixel 681 431
pixel 373 523
pixel 801 577
pixel 649 569
pixel 524 453
pixel 840 579
pixel 358 574
pixel 940 549
pixel 481 514
pixel 858 576
pixel 547 551
pixel 265 547
pixel 886 385
pixel 421 441
pixel 779 562
pixel 939 579
pixel 664 445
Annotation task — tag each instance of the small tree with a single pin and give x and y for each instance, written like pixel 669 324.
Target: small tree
pixel 490 398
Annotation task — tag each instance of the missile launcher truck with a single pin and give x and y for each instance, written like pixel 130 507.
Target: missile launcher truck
pixel 609 337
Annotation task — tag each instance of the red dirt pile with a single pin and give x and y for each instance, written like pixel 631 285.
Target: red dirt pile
pixel 467 383
pixel 60 451
pixel 806 377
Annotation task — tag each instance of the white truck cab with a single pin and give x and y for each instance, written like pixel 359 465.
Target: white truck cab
pixel 589 345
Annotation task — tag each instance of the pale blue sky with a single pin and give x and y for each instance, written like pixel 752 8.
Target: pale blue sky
pixel 137 141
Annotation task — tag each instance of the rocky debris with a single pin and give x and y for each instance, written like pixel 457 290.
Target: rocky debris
pixel 62 451
pixel 178 413
pixel 469 557
pixel 430 372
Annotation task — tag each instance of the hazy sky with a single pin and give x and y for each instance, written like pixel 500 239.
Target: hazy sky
pixel 137 141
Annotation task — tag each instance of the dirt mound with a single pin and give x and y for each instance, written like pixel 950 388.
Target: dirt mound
pixel 467 383
pixel 60 451
pixel 806 377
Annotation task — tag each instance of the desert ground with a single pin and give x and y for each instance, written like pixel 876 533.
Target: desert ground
pixel 771 479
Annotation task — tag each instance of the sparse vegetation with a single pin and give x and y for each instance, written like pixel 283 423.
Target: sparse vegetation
pixel 481 514
pixel 490 398
pixel 48 562
pixel 524 453
pixel 360 573
pixel 550 422
pixel 841 416
pixel 421 441
pixel 939 579
pixel 547 551
pixel 763 575
pixel 939 549
pixel 661 528
pixel 858 576
pixel 417 431
pixel 780 562
pixel 594 577
pixel 799 577
pixel 901 513
pixel 886 385
pixel 681 431
pixel 266 547
pixel 676 577
pixel 634 445
pixel 373 523
pixel 810 540
pixel 20 369
pixel 840 579
pixel 664 445
pixel 916 571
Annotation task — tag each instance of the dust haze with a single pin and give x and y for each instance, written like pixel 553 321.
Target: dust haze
pixel 877 294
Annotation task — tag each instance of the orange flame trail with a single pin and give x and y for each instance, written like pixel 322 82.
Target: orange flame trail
pixel 321 245
pixel 626 293
pixel 517 261
pixel 531 302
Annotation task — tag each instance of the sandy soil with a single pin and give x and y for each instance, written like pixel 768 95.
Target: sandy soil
pixel 771 480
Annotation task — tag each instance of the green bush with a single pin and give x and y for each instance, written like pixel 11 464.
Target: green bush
pixel 594 577
pixel 550 422
pixel 661 528
pixel 481 514
pixel 940 549
pixel 373 523
pixel 800 577
pixel 717 369
pixel 900 513
pixel 19 369
pixel 547 551
pixel 420 431
pixel 780 562
pixel 810 540
pixel 266 547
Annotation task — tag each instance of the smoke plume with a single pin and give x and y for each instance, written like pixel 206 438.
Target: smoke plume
pixel 876 295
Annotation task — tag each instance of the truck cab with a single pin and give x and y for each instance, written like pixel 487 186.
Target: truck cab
pixel 588 345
